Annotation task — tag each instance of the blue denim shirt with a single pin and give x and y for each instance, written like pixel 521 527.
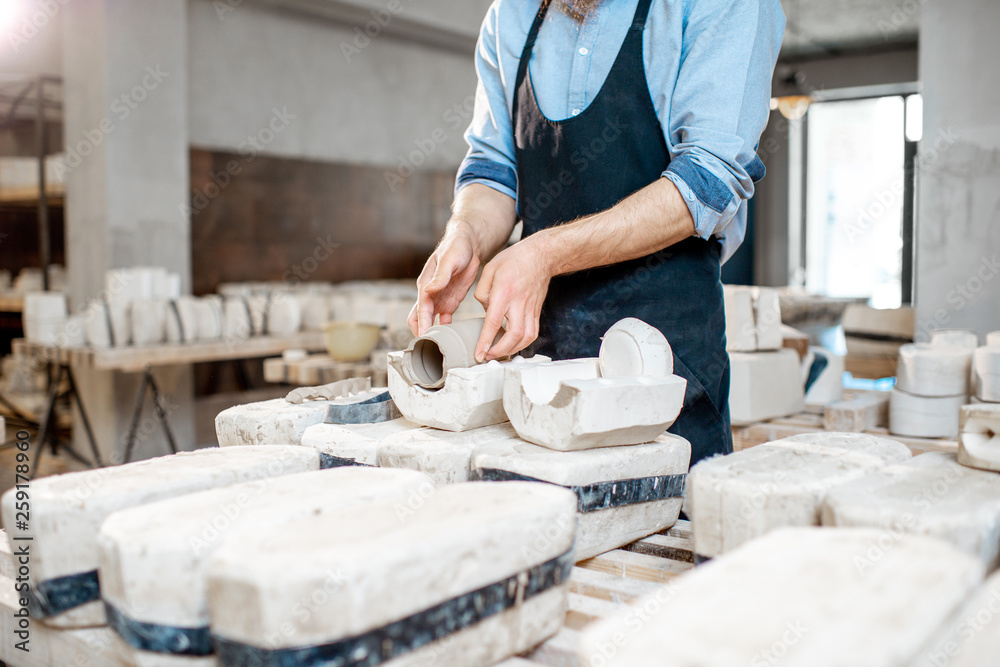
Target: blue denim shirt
pixel 708 66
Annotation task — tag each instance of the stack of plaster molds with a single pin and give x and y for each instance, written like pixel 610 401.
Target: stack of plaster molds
pixel 472 575
pixel 929 495
pixel 753 319
pixel 153 558
pixel 932 386
pixel 736 498
pixel 766 380
pixel 67 512
pixel 283 421
pixel 833 598
pixel 623 493
pixel 979 436
pixel 972 638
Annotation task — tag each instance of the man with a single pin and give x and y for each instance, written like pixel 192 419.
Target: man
pixel 623 134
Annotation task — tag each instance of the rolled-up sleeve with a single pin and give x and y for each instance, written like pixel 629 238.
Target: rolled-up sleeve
pixel 490 136
pixel 720 105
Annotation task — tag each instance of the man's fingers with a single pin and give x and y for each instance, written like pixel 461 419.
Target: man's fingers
pixel 425 312
pixel 485 286
pixel 412 320
pixel 494 318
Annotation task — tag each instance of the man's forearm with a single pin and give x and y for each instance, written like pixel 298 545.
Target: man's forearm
pixel 648 221
pixel 488 214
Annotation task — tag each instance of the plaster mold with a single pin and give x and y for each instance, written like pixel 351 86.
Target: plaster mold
pixel 741 332
pixel 469 398
pixel 933 370
pixel 182 320
pixel 931 495
pixel 458 540
pixel 955 338
pixel 44 316
pixel 354 444
pixel 972 637
pixel 275 422
pixel 153 558
pixel 567 405
pixel 347 389
pixel 993 338
pixel 208 314
pixel 445 456
pixel 764 385
pixel 924 417
pixel 767 318
pixel 830 603
pixel 829 386
pixel 631 348
pixel 987 370
pixel 284 315
pixel 623 493
pixel 979 436
pixel 108 324
pixel 67 512
pixel 444 347
pixel 148 322
pixel 734 499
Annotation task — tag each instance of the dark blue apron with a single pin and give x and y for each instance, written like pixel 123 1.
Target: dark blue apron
pixel 588 163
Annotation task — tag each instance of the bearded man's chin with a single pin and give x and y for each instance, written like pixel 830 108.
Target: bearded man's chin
pixel 581 9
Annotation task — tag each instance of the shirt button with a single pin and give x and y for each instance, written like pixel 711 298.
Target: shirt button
pixel 584 51
pixel 576 112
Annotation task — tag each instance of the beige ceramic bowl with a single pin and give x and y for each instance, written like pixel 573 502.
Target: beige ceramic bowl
pixel 350 341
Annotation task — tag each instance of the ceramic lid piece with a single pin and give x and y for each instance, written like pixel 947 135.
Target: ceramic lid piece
pixel 632 348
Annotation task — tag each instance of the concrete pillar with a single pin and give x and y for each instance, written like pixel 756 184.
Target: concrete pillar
pixel 957 277
pixel 126 129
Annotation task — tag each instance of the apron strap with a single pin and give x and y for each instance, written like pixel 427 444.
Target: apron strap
pixel 641 14
pixel 529 47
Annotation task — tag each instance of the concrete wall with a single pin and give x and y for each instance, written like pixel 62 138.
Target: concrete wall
pixel 394 101
pixel 958 214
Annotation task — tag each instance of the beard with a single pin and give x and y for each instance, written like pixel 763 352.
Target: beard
pixel 580 9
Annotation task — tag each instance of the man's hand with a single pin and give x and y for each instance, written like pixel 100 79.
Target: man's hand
pixel 446 278
pixel 514 286
pixel 480 224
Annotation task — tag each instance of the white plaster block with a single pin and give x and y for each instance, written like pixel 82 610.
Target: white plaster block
pixel 315 309
pixel 933 370
pixel 237 323
pixel 979 436
pixel 631 348
pixel 993 338
pixel 741 328
pixel 972 637
pixel 566 405
pixel 208 314
pixel 67 510
pixel 153 558
pixel 767 318
pixel 182 320
pixel 445 456
pixel 930 495
pixel 470 398
pixel 108 324
pixel 284 314
pixel 274 422
pixel 354 442
pixel 601 526
pixel 987 371
pixel 764 385
pixel 389 561
pixel 148 322
pixel 923 416
pixel 802 597
pixel 736 498
pixel 955 338
pixel 829 386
